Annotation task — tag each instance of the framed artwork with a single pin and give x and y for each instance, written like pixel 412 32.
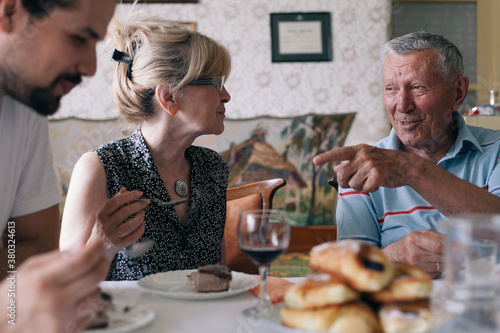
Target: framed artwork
pixel 301 37
pixel 270 147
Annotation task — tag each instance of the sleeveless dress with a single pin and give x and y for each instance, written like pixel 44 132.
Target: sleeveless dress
pixel 127 162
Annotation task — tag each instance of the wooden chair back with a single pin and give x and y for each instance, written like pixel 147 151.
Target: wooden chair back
pixel 303 239
pixel 257 195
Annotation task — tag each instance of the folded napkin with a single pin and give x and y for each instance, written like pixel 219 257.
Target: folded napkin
pixel 276 287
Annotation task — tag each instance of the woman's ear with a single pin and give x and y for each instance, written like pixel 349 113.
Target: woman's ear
pixel 7 10
pixel 166 99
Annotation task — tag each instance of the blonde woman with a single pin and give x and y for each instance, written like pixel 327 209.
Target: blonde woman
pixel 169 82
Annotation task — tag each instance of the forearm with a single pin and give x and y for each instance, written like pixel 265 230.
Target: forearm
pixel 449 194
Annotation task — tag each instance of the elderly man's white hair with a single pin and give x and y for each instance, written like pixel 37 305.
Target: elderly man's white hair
pixel 450 57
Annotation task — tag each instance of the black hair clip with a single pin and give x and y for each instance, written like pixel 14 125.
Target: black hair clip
pixel 122 57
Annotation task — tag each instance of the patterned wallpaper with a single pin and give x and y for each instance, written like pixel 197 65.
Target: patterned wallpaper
pixel 351 82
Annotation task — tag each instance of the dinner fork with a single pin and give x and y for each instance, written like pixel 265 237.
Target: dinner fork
pixel 134 250
pixel 166 204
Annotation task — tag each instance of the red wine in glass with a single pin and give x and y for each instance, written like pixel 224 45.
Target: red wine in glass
pixel 263 235
pixel 264 255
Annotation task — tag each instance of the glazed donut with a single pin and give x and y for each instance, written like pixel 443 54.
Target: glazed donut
pixel 319 290
pixel 364 267
pixel 347 318
pixel 410 317
pixel 409 284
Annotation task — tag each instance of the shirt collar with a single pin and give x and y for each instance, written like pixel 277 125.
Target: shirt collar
pixel 464 141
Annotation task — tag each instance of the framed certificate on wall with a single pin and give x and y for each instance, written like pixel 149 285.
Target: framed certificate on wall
pixel 301 37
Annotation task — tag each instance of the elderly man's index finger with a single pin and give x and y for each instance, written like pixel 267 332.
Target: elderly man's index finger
pixel 336 155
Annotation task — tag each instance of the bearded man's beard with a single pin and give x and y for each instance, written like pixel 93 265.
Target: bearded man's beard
pixel 41 99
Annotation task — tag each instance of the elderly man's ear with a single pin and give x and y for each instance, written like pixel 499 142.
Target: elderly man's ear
pixel 8 9
pixel 461 87
pixel 166 99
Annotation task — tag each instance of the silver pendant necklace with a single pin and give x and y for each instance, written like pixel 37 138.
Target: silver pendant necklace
pixel 180 187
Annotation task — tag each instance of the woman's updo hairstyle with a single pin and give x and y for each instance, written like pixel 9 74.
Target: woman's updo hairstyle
pixel 162 52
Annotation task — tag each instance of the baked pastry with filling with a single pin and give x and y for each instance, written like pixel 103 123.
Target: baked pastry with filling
pixel 352 317
pixel 409 284
pixel 409 317
pixel 364 267
pixel 319 290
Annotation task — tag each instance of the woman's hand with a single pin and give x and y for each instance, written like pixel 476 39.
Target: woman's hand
pixel 120 221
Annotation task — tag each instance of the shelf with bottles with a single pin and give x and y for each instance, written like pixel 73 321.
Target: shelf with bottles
pixel 485 115
pixel 491 109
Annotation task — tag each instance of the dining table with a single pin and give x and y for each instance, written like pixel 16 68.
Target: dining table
pixel 219 315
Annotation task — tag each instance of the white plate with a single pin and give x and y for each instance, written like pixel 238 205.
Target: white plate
pixel 175 284
pixel 126 318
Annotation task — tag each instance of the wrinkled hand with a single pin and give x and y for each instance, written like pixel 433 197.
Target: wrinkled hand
pixel 120 221
pixel 423 249
pixel 367 168
pixel 53 290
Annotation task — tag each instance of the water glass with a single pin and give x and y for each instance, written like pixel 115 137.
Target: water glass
pixel 470 298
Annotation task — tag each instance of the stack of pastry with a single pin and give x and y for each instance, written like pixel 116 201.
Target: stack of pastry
pixel 358 290
pixel 403 305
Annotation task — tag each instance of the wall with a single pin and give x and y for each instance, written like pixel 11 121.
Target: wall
pixel 351 82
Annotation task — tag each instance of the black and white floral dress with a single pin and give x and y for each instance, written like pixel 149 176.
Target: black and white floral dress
pixel 127 162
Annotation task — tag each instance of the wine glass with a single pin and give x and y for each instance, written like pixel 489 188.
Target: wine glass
pixel 263 235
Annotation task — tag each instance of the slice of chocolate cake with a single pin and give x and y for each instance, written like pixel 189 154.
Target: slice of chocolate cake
pixel 99 319
pixel 211 278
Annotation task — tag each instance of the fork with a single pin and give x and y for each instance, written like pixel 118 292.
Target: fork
pixel 166 204
pixel 134 250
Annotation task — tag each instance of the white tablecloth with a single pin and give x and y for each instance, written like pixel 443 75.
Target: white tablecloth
pixel 183 316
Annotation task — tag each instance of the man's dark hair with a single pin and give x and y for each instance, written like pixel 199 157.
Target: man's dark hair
pixel 45 7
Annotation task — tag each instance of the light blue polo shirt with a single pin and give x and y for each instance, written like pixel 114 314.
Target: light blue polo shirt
pixel 387 215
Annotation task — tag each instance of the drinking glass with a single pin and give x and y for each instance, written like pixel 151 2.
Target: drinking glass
pixel 263 235
pixel 470 298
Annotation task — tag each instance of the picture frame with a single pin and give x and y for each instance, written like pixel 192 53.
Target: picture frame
pixel 299 36
pixel 190 25
pixel 268 147
pixel 161 1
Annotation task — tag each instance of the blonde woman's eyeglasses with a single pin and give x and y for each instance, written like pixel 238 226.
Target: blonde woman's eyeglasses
pixel 218 82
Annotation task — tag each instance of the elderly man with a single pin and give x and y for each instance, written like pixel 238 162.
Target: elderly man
pixel 430 167
pixel 46 46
